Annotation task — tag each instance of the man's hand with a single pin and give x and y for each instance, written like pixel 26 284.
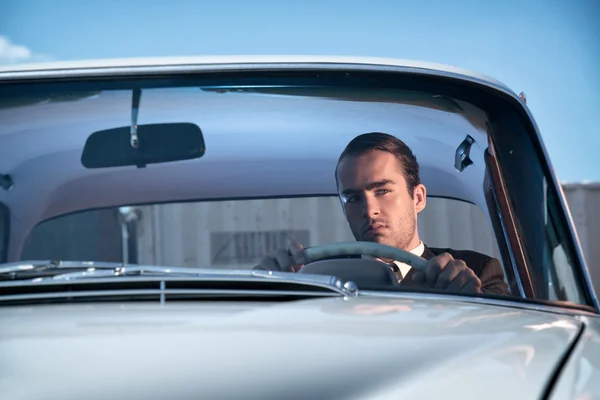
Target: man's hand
pixel 287 259
pixel 445 273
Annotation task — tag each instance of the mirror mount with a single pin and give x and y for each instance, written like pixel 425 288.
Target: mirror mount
pixel 135 108
pixel 140 145
pixel 461 157
pixel 6 182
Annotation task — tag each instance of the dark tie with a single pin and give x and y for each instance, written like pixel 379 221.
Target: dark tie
pixel 396 270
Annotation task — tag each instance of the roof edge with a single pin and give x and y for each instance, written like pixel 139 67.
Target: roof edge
pixel 116 63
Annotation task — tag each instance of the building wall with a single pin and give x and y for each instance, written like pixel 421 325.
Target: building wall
pixel 214 233
pixel 584 203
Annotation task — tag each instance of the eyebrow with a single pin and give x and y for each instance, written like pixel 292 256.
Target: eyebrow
pixel 370 186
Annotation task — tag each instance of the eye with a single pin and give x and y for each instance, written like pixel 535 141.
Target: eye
pixel 351 199
pixel 382 191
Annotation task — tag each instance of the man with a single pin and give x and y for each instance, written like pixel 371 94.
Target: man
pixel 378 183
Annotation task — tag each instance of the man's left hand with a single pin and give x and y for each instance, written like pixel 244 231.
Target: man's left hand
pixel 445 273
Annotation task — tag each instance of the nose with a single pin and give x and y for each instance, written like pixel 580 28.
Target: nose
pixel 370 207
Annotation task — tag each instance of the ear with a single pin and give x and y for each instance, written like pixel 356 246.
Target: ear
pixel 420 197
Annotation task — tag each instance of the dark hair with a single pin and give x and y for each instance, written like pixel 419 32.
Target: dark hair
pixel 384 142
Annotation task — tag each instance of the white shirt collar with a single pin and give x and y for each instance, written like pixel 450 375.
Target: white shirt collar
pixel 405 268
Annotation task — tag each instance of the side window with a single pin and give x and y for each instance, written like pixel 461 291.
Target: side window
pixel 234 234
pixel 93 235
pixel 458 225
pixel 4 231
pixel 561 280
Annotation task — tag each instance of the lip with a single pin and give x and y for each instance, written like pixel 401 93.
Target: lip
pixel 375 228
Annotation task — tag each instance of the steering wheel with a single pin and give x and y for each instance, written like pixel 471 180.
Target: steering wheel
pixel 364 272
pixel 316 253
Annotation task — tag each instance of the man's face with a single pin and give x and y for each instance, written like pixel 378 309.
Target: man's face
pixel 376 201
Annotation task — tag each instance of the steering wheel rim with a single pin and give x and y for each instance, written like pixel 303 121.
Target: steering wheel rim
pixel 373 249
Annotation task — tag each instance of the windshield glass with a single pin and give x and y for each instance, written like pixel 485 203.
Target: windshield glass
pixel 273 163
pixel 232 234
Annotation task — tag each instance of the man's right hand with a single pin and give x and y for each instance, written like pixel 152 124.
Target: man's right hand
pixel 286 259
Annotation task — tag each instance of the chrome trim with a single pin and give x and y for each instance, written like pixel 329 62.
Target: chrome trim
pixel 322 280
pixel 114 272
pixel 162 293
pixel 351 287
pixel 108 72
pixel 168 65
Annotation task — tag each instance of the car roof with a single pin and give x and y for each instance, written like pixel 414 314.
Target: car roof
pixel 114 65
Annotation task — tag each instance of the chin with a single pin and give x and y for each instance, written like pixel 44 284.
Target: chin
pixel 377 239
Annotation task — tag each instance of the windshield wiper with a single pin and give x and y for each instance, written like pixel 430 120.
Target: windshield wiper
pixel 49 268
pixel 65 270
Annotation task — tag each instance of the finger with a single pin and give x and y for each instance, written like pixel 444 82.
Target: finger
pixel 459 281
pixel 418 277
pixel 472 286
pixel 435 267
pixel 297 253
pixel 449 273
pixel 284 260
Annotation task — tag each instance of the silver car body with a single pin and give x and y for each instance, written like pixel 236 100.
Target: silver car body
pixel 376 345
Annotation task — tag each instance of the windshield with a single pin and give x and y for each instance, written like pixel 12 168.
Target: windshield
pixel 232 234
pixel 266 172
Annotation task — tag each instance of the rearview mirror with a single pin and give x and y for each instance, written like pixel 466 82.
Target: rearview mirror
pixel 154 143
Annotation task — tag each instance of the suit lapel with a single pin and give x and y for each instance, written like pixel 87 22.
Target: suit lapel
pixel 427 253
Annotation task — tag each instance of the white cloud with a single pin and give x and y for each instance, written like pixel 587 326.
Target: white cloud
pixel 11 53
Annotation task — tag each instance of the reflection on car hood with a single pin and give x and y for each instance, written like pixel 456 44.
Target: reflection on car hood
pixel 326 348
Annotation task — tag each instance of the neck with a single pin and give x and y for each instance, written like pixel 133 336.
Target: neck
pixel 414 243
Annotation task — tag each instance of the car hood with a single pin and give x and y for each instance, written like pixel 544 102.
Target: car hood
pixel 326 348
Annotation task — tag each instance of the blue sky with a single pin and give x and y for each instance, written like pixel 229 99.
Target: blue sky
pixel 550 49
